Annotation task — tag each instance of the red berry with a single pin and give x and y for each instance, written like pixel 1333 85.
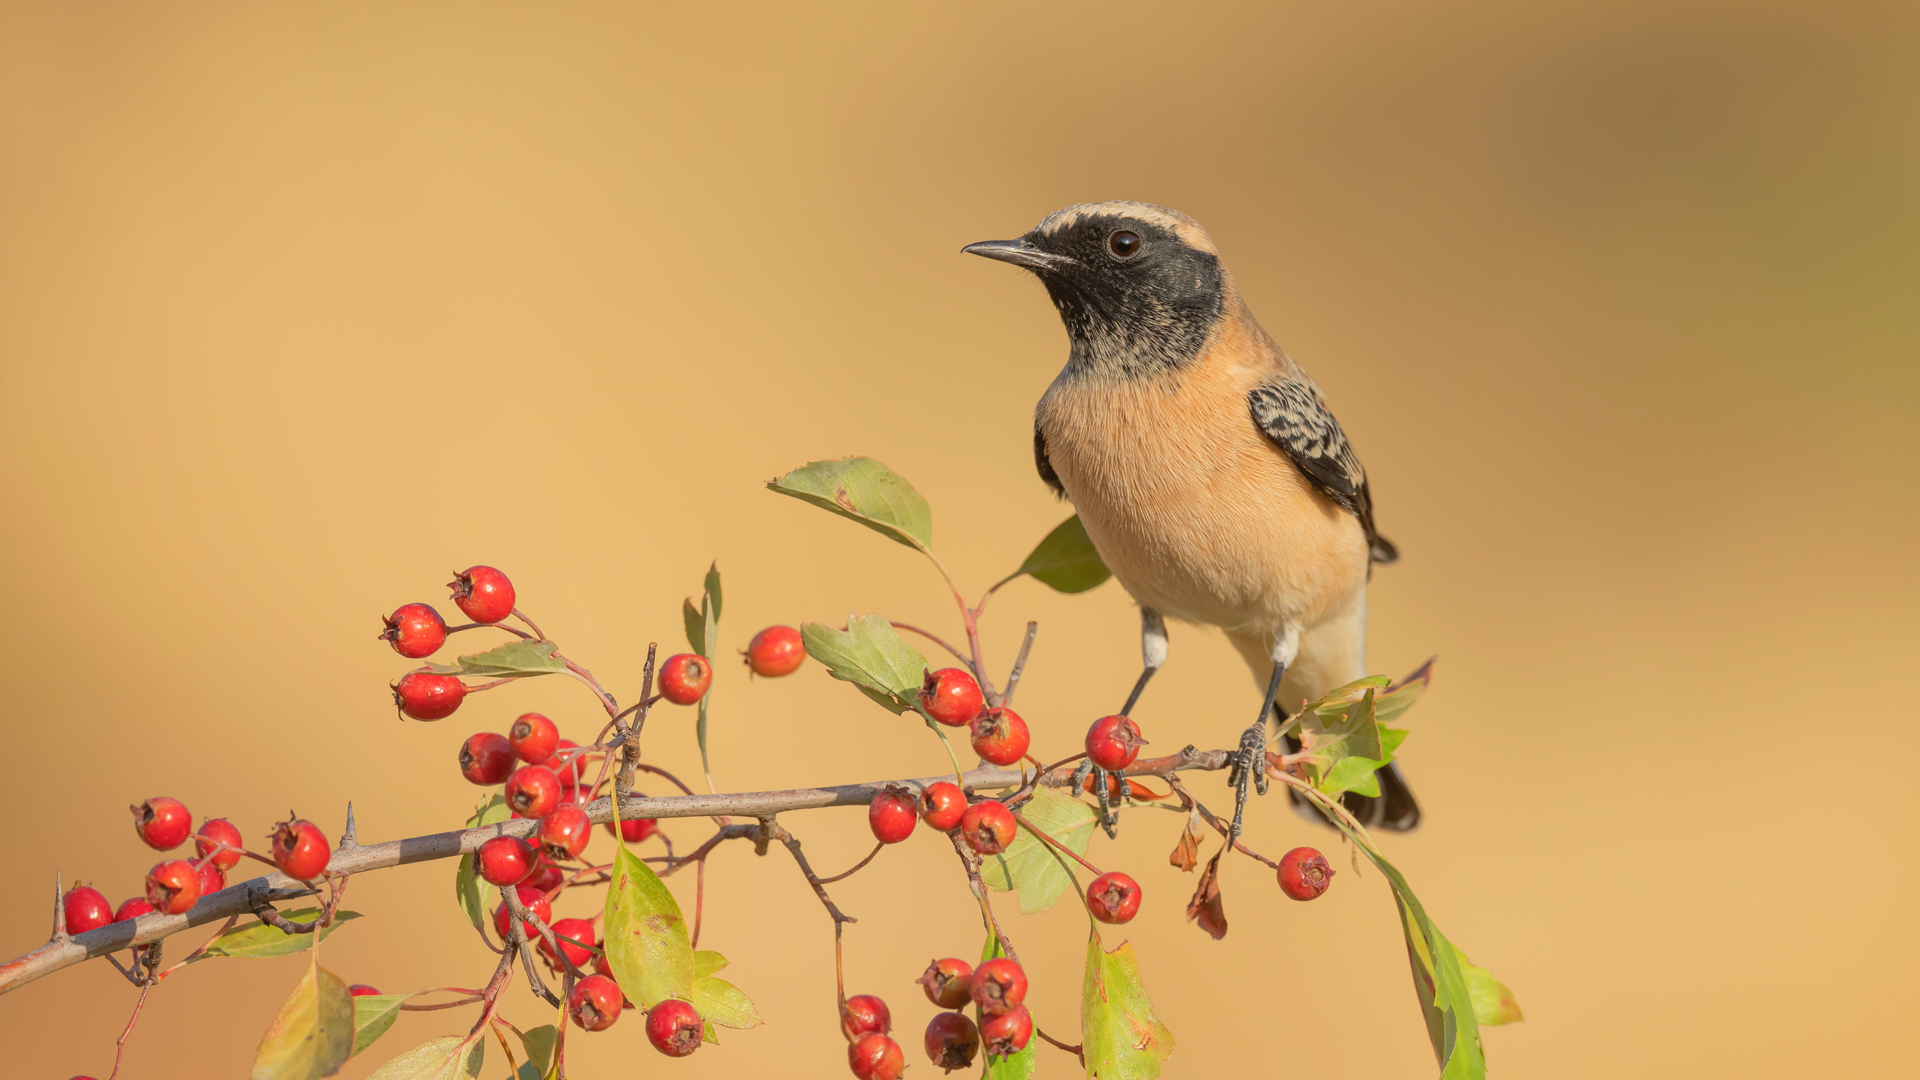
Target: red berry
pixel 1007 1033
pixel 999 986
pixel 948 983
pixel 572 934
pixel 1113 898
pixel 569 767
pixel 533 738
pixel 534 901
pixel 162 823
pixel 952 1040
pixel 684 678
pixel 1000 736
pixel 533 791
pixel 415 630
pixel 673 1027
pixel 634 830
pixel 211 879
pixel 85 909
pixel 486 758
pixel 213 833
pixel 483 593
pixel 987 827
pixel 595 1002
pixel 425 696
pixel 300 849
pixel 132 909
pixel 1304 873
pixel 1113 742
pixel 863 1014
pixel 876 1057
pixel 362 990
pixel 951 697
pixel 891 815
pixel 504 860
pixel 776 651
pixel 173 887
pixel 941 805
pixel 565 832
pixel 545 876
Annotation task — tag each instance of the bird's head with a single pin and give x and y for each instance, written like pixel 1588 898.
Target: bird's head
pixel 1138 286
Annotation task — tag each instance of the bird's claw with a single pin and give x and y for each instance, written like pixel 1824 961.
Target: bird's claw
pixel 1103 790
pixel 1249 770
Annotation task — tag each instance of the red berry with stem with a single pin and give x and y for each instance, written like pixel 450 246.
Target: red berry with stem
pixel 634 830
pixel 951 696
pixel 545 876
pixel 576 938
pixel 987 827
pixel 1304 873
pixel 1113 898
pixel 173 887
pixel 215 832
pixel 300 849
pixel 684 678
pixel 211 879
pixel 595 1003
pixel 163 824
pixel 1113 742
pixel 132 908
pixel 1000 736
pixel 1007 1033
pixel 483 593
pixel 673 1027
pixel 941 805
pixel 536 903
pixel 776 651
pixel 415 630
pixel 875 1057
pixel 998 986
pixel 948 983
pixel 565 832
pixel 504 860
pixel 486 758
pixel 85 908
pixel 426 696
pixel 892 814
pixel 952 1040
pixel 533 791
pixel 533 738
pixel 363 990
pixel 865 1013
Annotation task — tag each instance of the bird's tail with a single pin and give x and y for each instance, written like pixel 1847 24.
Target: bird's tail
pixel 1394 809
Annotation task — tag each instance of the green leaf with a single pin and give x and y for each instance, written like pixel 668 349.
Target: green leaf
pixel 646 942
pixel 1344 744
pixel 720 1002
pixel 449 1057
pixel 871 656
pixel 313 1035
pixel 710 633
pixel 374 1014
pixel 696 626
pixel 1493 1003
pixel 1014 1066
pixel 466 880
pixel 258 941
pixel 712 587
pixel 1119 1034
pixel 539 1046
pixel 866 491
pixel 1440 982
pixel 1029 865
pixel 514 660
pixel 1389 704
pixel 707 962
pixel 1066 560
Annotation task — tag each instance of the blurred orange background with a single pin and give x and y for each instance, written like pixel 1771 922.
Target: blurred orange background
pixel 305 307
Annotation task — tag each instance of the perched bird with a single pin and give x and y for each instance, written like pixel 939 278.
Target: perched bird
pixel 1205 465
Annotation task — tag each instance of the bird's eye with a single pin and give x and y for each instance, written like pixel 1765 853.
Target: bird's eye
pixel 1124 244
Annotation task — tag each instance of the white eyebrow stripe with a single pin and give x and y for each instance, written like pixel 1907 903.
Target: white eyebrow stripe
pixel 1187 229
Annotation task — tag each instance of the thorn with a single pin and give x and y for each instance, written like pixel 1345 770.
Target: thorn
pixel 348 838
pixel 60 935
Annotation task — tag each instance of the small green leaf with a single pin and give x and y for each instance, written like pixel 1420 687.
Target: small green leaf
pixel 539 1046
pixel 710 633
pixel 720 1002
pixel 374 1014
pixel 707 962
pixel 1493 1003
pixel 514 660
pixel 712 587
pixel 449 1057
pixel 1029 865
pixel 1066 560
pixel 696 627
pixel 258 941
pixel 313 1035
pixel 1014 1066
pixel 1390 703
pixel 871 656
pixel 646 936
pixel 1343 744
pixel 866 491
pixel 1120 1036
pixel 466 880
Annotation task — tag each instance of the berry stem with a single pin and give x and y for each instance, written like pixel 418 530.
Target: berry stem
pixel 857 867
pixel 957 654
pixel 522 616
pixel 522 635
pixel 120 1044
pixel 1055 844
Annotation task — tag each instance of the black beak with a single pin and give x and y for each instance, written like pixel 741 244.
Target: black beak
pixel 1019 252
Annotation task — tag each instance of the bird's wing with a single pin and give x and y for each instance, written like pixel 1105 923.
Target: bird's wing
pixel 1291 413
pixel 1047 475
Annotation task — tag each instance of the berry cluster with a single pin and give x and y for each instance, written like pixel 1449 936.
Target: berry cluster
pixel 996 989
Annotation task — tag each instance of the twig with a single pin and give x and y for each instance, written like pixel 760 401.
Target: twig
pixel 971 863
pixel 1076 1049
pixel 1019 662
pixel 857 867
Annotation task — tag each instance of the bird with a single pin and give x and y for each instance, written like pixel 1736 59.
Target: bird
pixel 1206 467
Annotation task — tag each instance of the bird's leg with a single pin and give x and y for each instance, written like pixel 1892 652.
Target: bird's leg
pixel 1249 764
pixel 1153 654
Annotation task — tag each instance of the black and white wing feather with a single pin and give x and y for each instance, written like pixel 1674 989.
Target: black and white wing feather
pixel 1295 417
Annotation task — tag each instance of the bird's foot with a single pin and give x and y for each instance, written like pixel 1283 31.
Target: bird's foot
pixel 1103 790
pixel 1249 770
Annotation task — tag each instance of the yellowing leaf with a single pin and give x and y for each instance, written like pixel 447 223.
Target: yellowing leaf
pixel 449 1057
pixel 1029 866
pixel 258 941
pixel 871 656
pixel 374 1014
pixel 720 1002
pixel 646 936
pixel 1120 1036
pixel 1066 560
pixel 707 962
pixel 866 491
pixel 313 1035
pixel 1493 1003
